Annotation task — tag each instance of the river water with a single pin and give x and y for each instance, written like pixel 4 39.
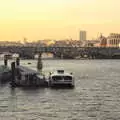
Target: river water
pixel 96 95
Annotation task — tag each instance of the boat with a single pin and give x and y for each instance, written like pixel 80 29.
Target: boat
pixel 61 78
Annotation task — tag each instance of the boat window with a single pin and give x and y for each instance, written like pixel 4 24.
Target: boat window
pixel 67 78
pixel 57 77
pixel 60 71
pixel 62 77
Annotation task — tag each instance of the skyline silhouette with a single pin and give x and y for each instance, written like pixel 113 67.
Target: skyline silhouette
pixel 57 19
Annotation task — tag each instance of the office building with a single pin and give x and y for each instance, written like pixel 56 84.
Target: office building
pixel 82 35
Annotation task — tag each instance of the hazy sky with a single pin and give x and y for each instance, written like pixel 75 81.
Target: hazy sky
pixel 57 19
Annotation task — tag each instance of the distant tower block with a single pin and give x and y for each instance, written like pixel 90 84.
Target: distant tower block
pixel 82 35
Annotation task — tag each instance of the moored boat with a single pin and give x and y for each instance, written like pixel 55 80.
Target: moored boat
pixel 61 78
pixel 28 77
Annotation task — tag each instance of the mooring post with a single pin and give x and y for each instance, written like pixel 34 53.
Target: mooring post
pixel 17 65
pixel 5 61
pixel 13 74
pixel 39 63
pixel 17 61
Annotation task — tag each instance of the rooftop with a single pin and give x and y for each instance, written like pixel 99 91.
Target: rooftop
pixel 61 73
pixel 25 70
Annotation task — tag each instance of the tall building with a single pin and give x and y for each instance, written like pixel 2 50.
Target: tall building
pixel 82 35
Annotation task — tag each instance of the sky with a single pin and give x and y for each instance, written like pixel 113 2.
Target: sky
pixel 57 19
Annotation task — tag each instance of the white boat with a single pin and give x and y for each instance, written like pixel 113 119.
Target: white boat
pixel 60 78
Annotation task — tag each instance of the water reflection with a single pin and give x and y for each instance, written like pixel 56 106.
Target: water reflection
pixel 96 94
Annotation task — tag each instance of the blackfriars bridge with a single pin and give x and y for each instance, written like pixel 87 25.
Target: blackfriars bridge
pixel 64 52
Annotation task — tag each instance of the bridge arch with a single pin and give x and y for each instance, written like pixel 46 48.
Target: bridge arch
pixel 45 55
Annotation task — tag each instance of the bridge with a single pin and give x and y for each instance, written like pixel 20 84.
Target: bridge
pixel 64 52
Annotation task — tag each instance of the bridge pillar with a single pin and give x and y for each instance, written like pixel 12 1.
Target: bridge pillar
pixel 61 56
pixel 39 63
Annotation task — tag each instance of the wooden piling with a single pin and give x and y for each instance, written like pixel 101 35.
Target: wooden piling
pixel 39 63
pixel 13 74
pixel 17 61
pixel 5 61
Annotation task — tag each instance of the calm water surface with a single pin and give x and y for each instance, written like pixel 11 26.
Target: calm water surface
pixel 95 97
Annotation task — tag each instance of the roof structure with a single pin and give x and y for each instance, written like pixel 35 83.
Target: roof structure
pixel 25 70
pixel 61 73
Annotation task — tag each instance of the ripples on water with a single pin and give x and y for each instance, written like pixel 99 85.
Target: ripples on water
pixel 95 97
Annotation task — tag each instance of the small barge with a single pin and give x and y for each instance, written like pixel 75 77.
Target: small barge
pixel 61 78
pixel 28 77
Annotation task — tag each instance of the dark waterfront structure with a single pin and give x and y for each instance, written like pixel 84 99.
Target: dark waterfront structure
pixel 29 78
pixel 25 77
pixel 65 52
pixel 5 74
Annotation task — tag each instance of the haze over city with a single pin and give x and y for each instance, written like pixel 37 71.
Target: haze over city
pixel 57 19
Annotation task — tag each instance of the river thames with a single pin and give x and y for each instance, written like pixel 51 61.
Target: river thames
pixel 96 95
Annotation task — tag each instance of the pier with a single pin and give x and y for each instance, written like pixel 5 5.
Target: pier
pixel 25 77
pixel 28 77
pixel 22 76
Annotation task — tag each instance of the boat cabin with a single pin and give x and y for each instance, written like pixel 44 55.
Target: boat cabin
pixel 61 77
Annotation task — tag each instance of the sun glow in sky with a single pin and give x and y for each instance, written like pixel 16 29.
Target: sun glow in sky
pixel 57 19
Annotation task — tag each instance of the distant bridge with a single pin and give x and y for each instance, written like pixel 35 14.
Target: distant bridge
pixel 65 52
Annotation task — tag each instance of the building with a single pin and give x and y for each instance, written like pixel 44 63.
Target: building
pixel 91 43
pixel 113 40
pixel 82 35
pixel 103 41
